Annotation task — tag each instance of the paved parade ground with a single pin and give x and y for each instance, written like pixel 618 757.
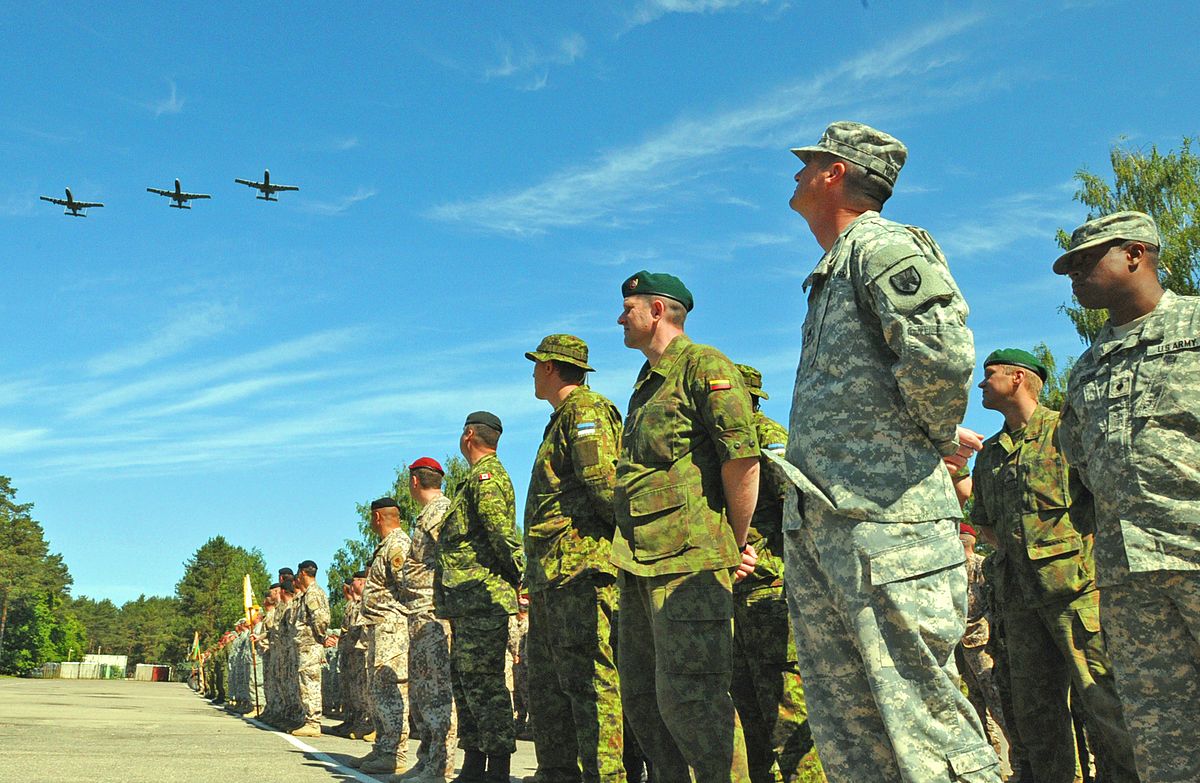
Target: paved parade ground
pixel 118 730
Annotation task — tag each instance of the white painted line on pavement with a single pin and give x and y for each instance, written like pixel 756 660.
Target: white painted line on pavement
pixel 328 761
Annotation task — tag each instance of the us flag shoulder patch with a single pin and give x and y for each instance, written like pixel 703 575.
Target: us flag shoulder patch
pixel 719 384
pixel 484 476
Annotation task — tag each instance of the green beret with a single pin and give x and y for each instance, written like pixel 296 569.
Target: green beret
pixel 486 419
pixel 876 151
pixel 561 348
pixel 1017 358
pixel 753 379
pixel 1129 226
pixel 658 284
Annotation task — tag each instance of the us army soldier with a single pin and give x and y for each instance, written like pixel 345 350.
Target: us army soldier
pixel 875 577
pixel 1131 427
pixel 479 566
pixel 311 628
pixel 687 482
pixel 574 690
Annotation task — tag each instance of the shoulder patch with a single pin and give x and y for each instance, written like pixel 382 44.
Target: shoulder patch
pixel 907 281
pixel 484 476
pixel 719 384
pixel 585 428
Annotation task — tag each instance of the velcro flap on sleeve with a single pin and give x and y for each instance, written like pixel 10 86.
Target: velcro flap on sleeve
pixel 915 559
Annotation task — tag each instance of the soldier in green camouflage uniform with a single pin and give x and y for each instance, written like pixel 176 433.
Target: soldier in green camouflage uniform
pixel 875 576
pixel 430 691
pixel 1031 505
pixel 687 482
pixel 767 690
pixel 1131 427
pixel 574 691
pixel 310 626
pixel 479 566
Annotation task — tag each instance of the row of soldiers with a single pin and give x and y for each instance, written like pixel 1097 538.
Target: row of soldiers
pixel 687 561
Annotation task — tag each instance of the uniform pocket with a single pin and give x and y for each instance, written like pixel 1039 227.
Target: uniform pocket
pixel 699 634
pixel 974 764
pixel 654 438
pixel 917 558
pixel 659 518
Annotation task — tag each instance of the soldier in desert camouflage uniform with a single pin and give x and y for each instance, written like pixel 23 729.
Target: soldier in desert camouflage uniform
pixel 384 613
pixel 1131 427
pixel 875 577
pixel 430 692
pixel 345 674
pixel 767 690
pixel 573 687
pixel 266 638
pixel 310 626
pixel 1031 505
pixel 686 485
pixel 479 566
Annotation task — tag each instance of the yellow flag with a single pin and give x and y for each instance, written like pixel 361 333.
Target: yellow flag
pixel 247 596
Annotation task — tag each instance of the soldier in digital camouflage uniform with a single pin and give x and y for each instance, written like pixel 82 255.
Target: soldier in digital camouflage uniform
pixel 266 639
pixel 574 691
pixel 686 485
pixel 258 696
pixel 875 577
pixel 518 675
pixel 310 626
pixel 346 675
pixel 1031 504
pixel 1131 427
pixel 767 690
pixel 384 613
pixel 363 724
pixel 479 566
pixel 430 691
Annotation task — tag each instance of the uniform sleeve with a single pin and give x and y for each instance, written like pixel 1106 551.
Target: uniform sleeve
pixel 319 617
pixel 497 515
pixel 772 481
pixel 594 438
pixel 724 405
pixel 923 319
pixel 979 515
pixel 1068 441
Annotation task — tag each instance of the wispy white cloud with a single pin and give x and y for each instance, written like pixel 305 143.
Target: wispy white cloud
pixel 631 181
pixel 196 324
pixel 1007 220
pixel 528 67
pixel 338 206
pixel 14 440
pixel 344 143
pixel 172 104
pixel 650 10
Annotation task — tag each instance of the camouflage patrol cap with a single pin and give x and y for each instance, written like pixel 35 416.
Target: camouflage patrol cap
pixel 658 284
pixel 753 379
pixel 874 150
pixel 561 348
pixel 1129 226
pixel 1016 358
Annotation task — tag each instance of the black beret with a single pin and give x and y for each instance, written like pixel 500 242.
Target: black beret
pixel 384 503
pixel 286 570
pixel 349 580
pixel 274 586
pixel 360 574
pixel 486 419
pixel 306 564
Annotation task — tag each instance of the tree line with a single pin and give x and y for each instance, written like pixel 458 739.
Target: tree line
pixel 41 622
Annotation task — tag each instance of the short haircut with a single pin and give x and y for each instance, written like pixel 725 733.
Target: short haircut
pixel 676 311
pixel 308 567
pixel 863 186
pixel 1151 250
pixel 570 373
pixel 485 434
pixel 1033 382
pixel 428 478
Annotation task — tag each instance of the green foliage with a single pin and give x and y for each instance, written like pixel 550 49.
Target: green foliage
pixel 355 554
pixel 1054 391
pixel 1166 187
pixel 210 591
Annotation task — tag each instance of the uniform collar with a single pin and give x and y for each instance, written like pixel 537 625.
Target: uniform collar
pixel 1151 332
pixel 669 358
pixel 822 267
pixel 1039 422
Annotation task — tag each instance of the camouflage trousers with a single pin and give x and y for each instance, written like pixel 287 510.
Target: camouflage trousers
pixel 1152 622
pixel 255 671
pixel 978 671
pixel 387 661
pixel 574 690
pixel 997 650
pixel 767 690
pixel 355 701
pixel 331 676
pixel 877 610
pixel 433 716
pixel 310 660
pixel 675 660
pixel 478 649
pixel 1055 653
pixel 289 675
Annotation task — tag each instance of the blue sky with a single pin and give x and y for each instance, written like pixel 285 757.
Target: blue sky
pixel 474 176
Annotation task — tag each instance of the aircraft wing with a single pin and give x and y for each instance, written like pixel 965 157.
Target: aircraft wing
pixel 161 192
pixel 248 182
pixel 62 202
pixel 87 204
pixel 190 196
pixel 284 187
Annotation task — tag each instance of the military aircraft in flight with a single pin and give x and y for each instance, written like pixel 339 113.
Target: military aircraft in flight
pixel 73 208
pixel 178 197
pixel 266 188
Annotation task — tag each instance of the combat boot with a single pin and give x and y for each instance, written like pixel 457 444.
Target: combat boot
pixel 307 730
pixel 411 773
pixel 474 763
pixel 384 764
pixel 498 768
pixel 357 763
pixel 424 776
